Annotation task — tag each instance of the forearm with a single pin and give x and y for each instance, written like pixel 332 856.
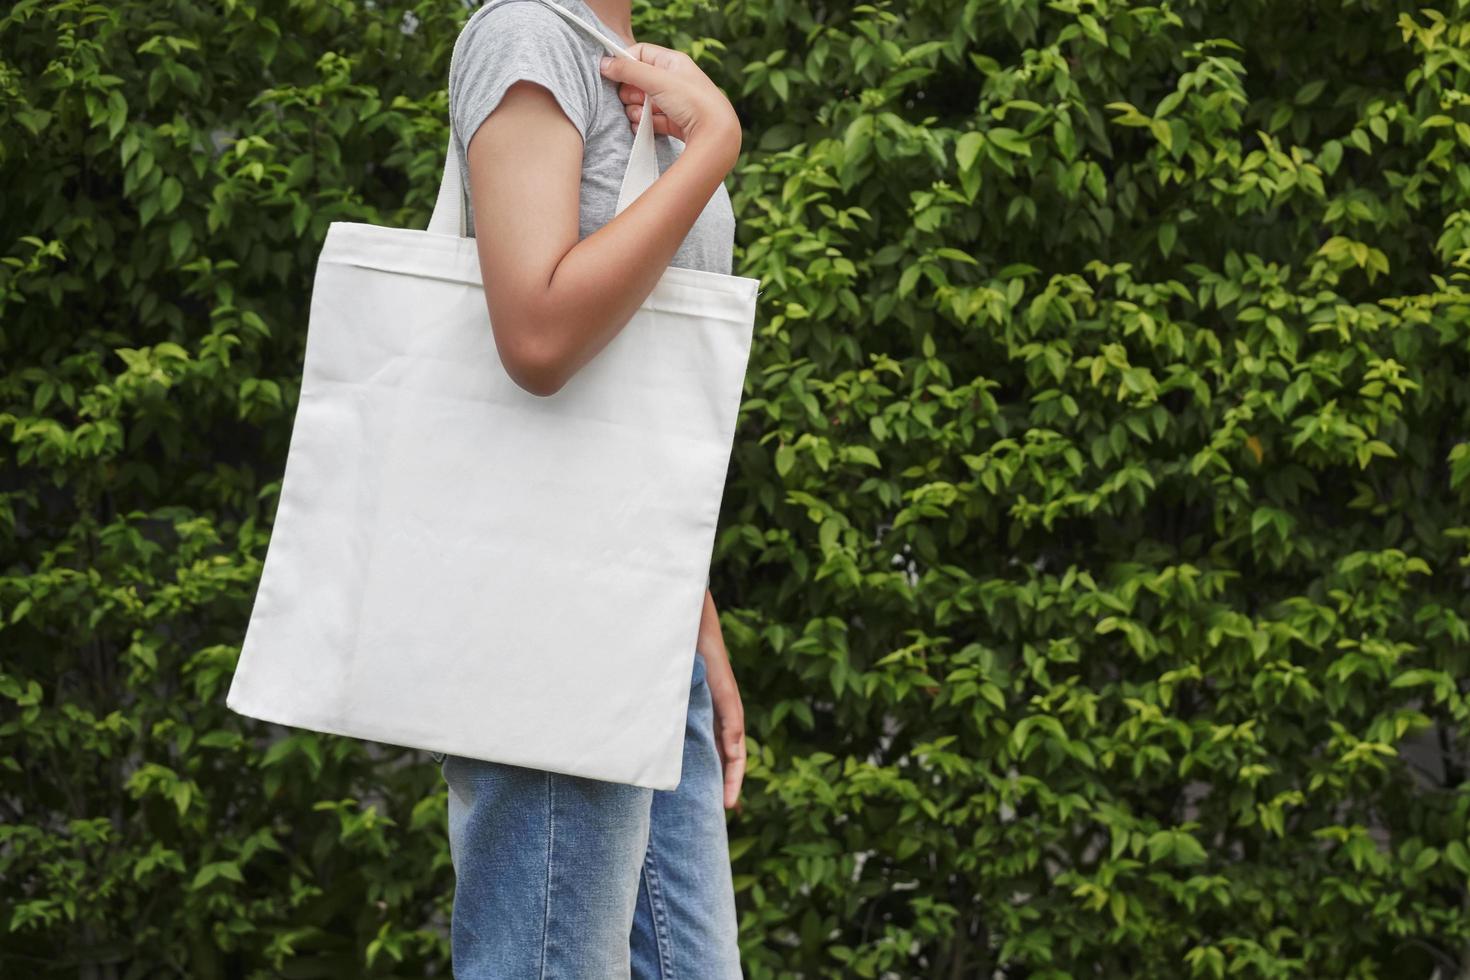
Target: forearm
pixel 602 280
pixel 710 637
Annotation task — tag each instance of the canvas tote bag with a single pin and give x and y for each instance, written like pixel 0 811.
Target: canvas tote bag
pixel 460 566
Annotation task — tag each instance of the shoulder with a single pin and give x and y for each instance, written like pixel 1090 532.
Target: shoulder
pixel 511 40
pixel 523 24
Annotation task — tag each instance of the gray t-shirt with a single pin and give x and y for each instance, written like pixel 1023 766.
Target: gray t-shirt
pixel 509 40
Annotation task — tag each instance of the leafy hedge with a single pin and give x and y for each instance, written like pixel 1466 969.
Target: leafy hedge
pixel 1094 557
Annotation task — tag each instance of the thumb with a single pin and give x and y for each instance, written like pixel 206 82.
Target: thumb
pixel 633 71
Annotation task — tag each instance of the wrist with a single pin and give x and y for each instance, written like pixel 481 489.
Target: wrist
pixel 721 140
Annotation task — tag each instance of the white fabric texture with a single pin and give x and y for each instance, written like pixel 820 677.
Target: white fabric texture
pixel 460 566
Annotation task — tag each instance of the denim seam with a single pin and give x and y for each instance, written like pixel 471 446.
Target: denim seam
pixel 550 842
pixel 662 937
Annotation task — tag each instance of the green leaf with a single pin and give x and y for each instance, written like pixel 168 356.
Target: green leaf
pixel 170 193
pixel 1009 140
pixel 179 237
pixel 785 459
pixel 967 148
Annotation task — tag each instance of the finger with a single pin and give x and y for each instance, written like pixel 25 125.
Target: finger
pixel 635 112
pixel 734 775
pixel 660 127
pixel 630 69
pixel 660 121
pixel 733 750
pixel 630 94
pixel 652 54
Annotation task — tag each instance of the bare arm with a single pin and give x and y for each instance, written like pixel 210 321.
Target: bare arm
pixel 729 711
pixel 554 301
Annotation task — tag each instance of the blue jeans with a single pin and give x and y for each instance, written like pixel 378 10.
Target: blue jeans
pixel 561 877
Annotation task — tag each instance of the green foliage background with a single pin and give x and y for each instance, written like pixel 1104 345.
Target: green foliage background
pixel 1094 557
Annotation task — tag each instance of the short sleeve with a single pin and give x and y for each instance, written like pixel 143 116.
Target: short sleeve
pixel 519 40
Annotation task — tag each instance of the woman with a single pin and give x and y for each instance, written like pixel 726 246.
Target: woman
pixel 557 875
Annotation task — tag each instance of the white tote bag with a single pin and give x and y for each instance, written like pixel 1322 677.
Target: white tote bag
pixel 460 566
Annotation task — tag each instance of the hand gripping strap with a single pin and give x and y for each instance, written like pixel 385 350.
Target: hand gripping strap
pixel 450 207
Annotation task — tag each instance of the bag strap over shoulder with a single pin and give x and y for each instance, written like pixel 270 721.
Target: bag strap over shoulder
pixel 451 205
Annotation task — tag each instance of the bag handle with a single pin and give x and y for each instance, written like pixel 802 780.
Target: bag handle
pixel 450 206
